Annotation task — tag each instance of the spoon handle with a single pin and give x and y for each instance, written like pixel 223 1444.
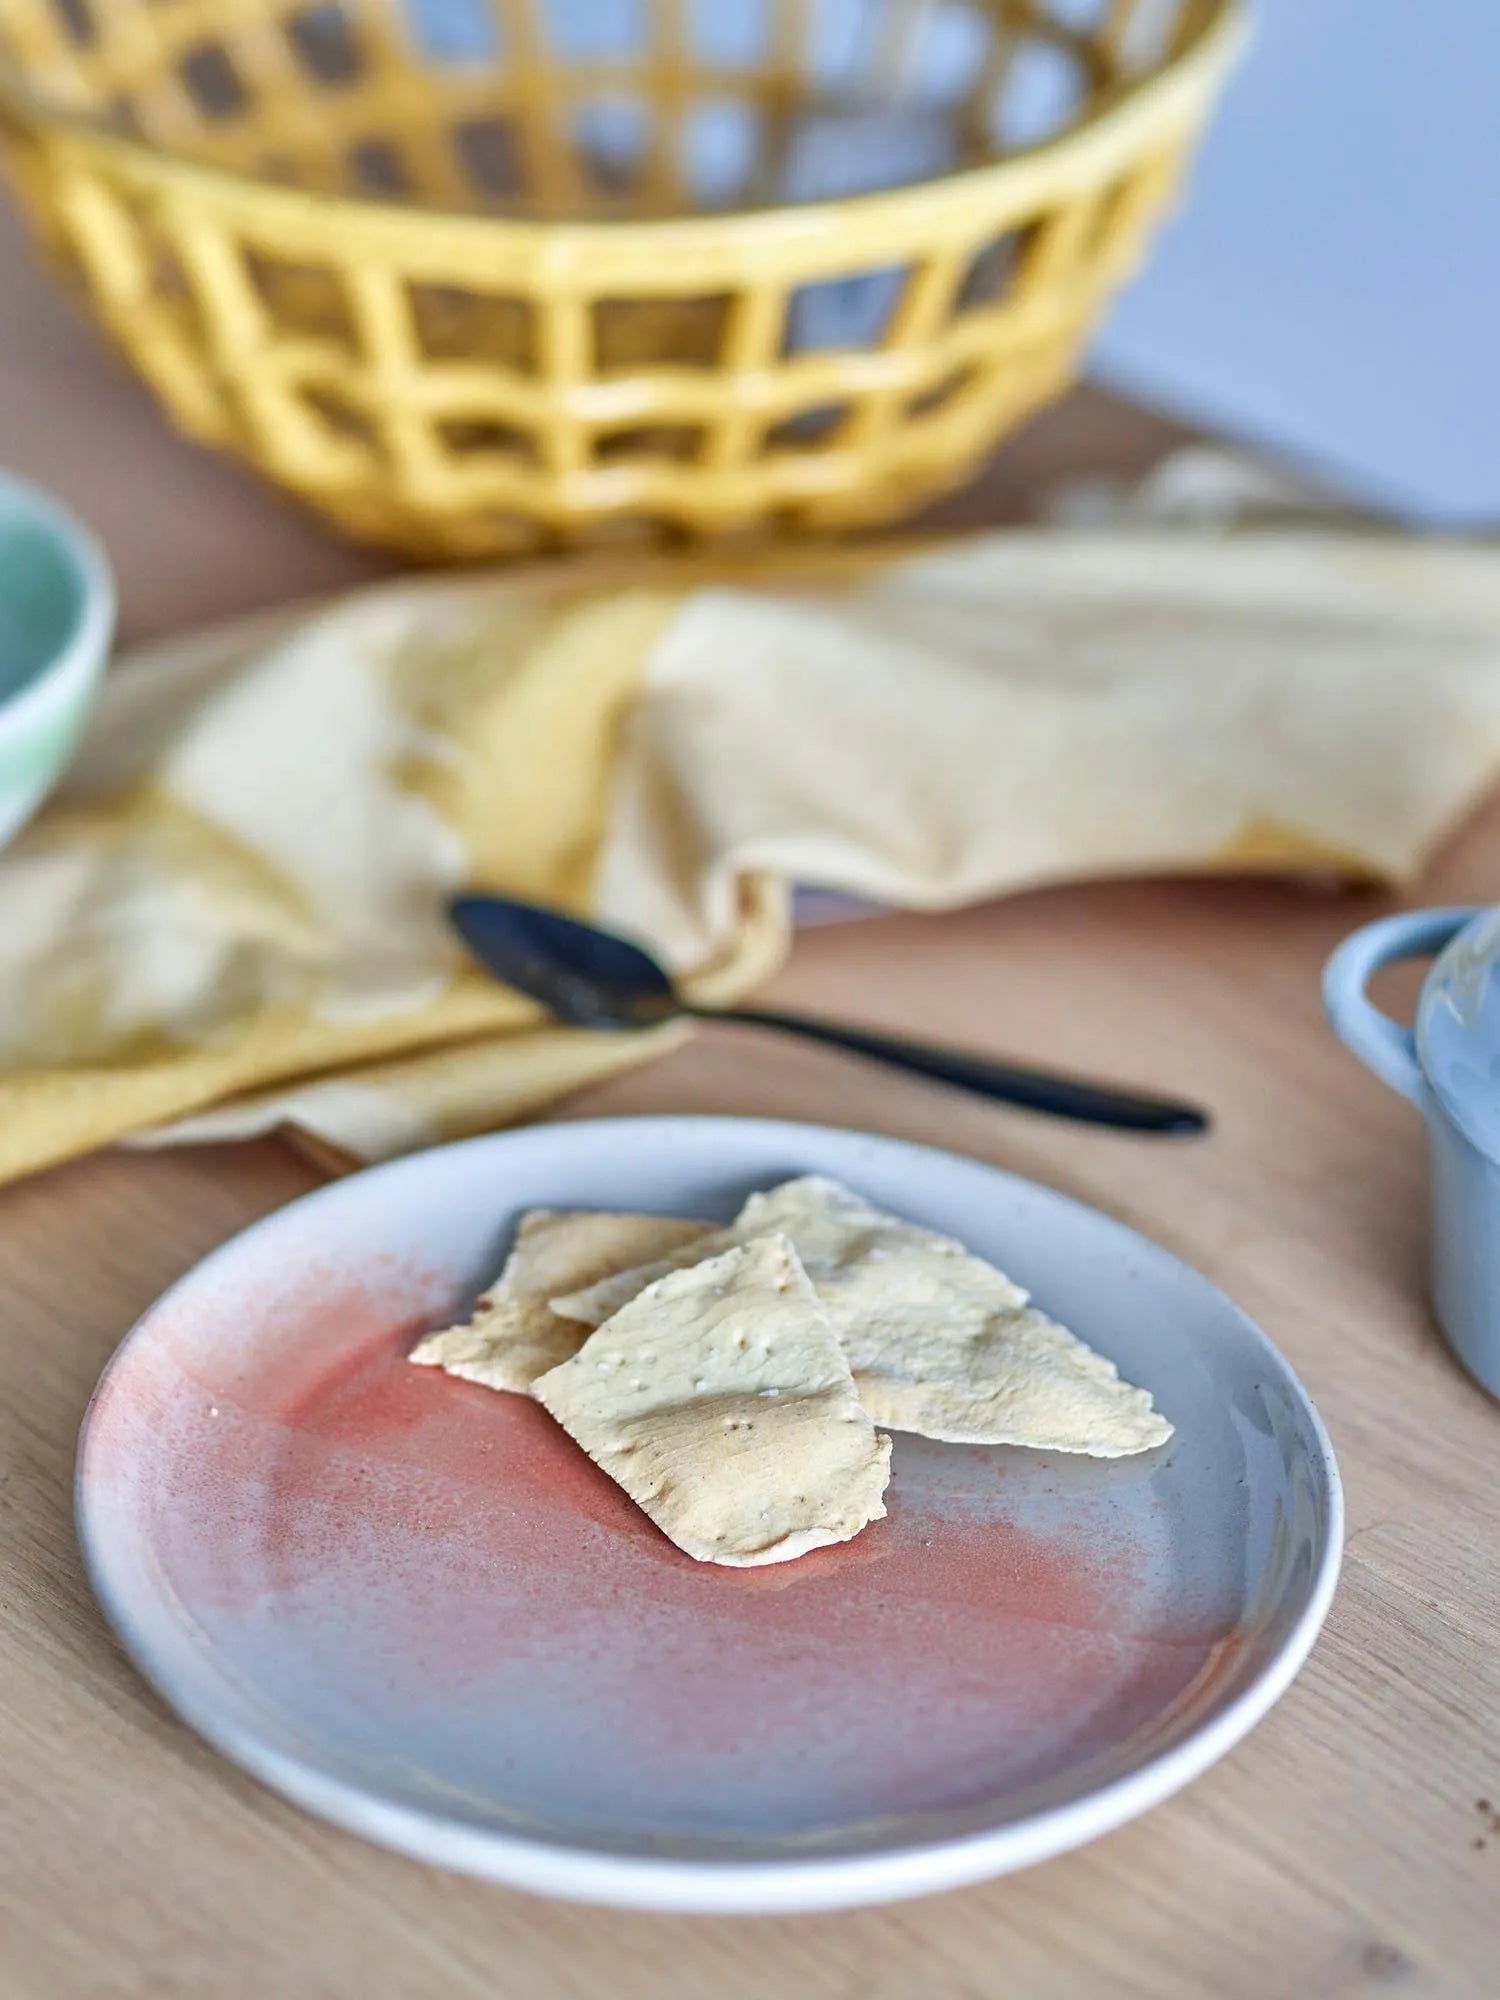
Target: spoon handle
pixel 1034 1090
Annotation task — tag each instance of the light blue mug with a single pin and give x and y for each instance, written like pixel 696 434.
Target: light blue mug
pixel 1448 1065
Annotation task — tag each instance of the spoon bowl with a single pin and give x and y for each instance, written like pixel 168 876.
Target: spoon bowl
pixel 587 978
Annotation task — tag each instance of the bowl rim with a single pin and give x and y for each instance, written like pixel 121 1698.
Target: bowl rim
pixel 72 666
pixel 1174 88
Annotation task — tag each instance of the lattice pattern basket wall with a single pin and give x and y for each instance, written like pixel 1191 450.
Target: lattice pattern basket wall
pixel 478 276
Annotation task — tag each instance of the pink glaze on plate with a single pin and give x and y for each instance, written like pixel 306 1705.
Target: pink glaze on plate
pixel 428 1585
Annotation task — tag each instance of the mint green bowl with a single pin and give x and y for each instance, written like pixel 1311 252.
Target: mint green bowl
pixel 57 617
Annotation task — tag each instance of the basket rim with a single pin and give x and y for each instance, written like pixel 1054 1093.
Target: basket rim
pixel 1175 91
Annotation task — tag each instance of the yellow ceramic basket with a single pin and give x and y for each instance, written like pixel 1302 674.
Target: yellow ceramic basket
pixel 481 276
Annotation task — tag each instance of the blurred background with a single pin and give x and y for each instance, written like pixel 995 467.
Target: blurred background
pixel 1332 289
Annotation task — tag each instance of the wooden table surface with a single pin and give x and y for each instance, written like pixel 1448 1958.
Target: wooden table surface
pixel 1346 1848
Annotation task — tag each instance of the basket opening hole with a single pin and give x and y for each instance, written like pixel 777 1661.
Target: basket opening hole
pixel 862 148
pixel 340 418
pixel 479 438
pixel 323 41
pixel 158 259
pixel 721 144
pixel 630 334
pixel 77 21
pixel 1043 87
pixel 171 289
pixel 376 167
pixel 489 153
pixel 1151 34
pixel 492 531
pixel 213 82
pixel 902 55
pixel 611 136
pixel 167 279
pixel 841 40
pixel 852 312
pixel 302 301
pixel 631 531
pixel 730 34
pixel 453 323
pixel 1084 17
pixel 678 444
pixel 995 271
pixel 598 30
pixel 455 31
pixel 947 389
pixel 810 429
pixel 947 52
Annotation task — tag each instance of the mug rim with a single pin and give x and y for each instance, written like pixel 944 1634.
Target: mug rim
pixel 70 667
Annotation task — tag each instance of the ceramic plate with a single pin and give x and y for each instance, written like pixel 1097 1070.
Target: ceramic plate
pixel 415 1607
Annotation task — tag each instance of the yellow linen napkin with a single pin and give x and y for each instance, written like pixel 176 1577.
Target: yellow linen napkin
pixel 233 915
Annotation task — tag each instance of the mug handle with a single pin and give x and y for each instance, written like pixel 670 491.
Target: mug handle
pixel 1379 1042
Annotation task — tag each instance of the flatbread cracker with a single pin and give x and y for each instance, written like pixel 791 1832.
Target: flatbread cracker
pixel 975 1375
pixel 721 1400
pixel 939 1341
pixel 513 1335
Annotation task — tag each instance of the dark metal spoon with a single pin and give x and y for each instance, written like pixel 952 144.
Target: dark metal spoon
pixel 591 979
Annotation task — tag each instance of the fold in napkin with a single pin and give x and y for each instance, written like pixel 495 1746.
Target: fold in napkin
pixel 233 914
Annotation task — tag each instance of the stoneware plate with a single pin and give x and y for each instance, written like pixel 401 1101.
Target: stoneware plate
pixel 415 1607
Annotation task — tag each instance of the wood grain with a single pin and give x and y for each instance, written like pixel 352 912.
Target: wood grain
pixel 1334 1853
pixel 1340 1851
